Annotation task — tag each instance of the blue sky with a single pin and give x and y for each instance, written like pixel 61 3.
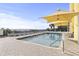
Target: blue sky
pixel 27 15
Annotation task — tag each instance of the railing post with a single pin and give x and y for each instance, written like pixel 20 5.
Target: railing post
pixel 63 37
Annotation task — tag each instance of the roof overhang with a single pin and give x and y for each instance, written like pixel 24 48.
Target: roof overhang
pixel 62 16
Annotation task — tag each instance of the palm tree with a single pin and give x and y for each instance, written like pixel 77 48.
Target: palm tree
pixel 52 26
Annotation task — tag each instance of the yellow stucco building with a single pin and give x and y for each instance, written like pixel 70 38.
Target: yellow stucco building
pixel 70 17
pixel 74 28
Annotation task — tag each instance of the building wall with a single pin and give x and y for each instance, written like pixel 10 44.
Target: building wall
pixel 74 21
pixel 76 8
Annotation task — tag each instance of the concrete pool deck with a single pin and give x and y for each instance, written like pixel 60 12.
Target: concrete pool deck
pixel 71 47
pixel 9 46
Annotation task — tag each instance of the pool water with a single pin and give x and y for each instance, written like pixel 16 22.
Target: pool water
pixel 52 40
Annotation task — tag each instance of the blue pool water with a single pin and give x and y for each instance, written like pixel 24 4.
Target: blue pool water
pixel 52 40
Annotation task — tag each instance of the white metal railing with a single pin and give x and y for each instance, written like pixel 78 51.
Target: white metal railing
pixel 65 36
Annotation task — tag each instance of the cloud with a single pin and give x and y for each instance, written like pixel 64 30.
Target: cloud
pixel 14 22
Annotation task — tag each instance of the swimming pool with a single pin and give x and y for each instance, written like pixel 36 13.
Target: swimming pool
pixel 52 40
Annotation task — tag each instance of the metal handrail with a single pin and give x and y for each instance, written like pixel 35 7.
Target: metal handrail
pixel 61 42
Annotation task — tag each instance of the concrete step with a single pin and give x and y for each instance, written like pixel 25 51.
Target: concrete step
pixel 71 52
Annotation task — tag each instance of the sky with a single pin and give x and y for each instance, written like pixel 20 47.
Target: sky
pixel 27 15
